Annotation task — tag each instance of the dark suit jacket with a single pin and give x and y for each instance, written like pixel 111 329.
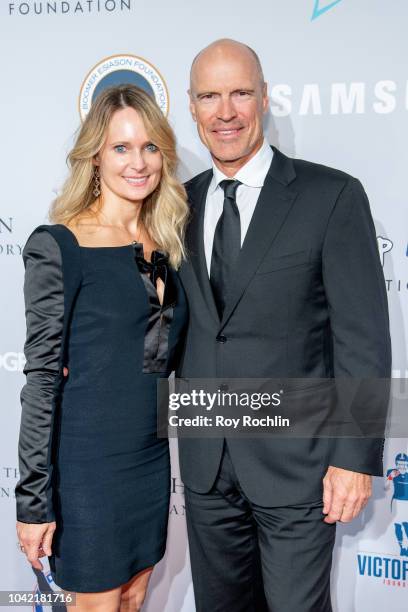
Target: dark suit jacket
pixel 308 301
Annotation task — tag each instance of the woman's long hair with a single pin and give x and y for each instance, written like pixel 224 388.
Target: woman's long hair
pixel 164 212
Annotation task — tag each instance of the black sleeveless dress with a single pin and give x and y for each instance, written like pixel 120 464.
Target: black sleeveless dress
pixel 110 485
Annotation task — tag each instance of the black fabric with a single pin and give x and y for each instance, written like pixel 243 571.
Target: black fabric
pixel 251 558
pixel 51 255
pixel 161 315
pixel 98 425
pixel 226 246
pixel 44 299
pixel 307 300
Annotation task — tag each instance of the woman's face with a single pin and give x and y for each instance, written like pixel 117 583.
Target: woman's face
pixel 130 165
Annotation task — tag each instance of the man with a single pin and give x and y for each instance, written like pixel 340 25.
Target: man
pixel 283 280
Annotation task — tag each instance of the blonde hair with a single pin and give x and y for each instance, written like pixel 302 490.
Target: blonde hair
pixel 164 212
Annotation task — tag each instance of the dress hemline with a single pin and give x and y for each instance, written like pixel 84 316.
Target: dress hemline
pixel 156 557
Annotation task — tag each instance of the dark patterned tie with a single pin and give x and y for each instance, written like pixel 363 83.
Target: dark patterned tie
pixel 227 245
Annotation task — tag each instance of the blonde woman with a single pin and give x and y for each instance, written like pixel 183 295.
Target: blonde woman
pixel 103 298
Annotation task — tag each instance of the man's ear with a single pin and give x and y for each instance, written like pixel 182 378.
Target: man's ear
pixel 265 97
pixel 192 105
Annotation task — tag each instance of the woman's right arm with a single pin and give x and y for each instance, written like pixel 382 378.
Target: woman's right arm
pixel 44 306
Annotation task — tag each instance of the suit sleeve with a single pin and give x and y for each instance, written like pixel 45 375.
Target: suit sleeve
pixel 44 307
pixel 358 309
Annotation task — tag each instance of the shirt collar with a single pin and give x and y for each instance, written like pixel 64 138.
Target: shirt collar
pixel 252 174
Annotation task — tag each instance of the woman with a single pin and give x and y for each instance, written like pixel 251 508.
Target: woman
pixel 103 298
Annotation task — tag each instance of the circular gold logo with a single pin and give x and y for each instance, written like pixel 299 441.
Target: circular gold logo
pixel 121 70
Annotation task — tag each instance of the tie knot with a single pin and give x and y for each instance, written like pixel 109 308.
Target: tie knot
pixel 230 187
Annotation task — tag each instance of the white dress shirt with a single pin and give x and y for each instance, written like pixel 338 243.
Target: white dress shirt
pixel 252 177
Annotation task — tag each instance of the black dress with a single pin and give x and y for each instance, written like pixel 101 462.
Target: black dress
pixel 110 482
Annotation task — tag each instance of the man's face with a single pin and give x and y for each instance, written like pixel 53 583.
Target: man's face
pixel 228 101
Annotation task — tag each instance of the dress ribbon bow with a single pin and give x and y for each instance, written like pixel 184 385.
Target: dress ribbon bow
pixel 156 268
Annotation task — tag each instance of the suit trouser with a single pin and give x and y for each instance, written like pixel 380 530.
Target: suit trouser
pixel 249 558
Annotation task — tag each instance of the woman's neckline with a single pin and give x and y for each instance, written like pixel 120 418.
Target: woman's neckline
pixel 121 246
pixel 132 245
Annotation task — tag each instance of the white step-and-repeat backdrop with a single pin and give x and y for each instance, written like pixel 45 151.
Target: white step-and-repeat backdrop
pixel 337 75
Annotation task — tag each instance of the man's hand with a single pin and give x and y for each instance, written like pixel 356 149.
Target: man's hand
pixel 345 493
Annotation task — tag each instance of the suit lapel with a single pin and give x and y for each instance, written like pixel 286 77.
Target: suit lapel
pixel 272 208
pixel 197 194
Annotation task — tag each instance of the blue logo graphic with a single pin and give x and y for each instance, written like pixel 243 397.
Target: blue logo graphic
pixel 46 587
pixel 123 69
pixel 401 533
pixel 319 10
pixel 390 568
pixel 399 477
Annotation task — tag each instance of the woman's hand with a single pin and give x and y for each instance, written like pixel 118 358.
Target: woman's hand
pixel 35 541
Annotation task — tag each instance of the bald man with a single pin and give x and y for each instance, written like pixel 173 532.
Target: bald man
pixel 283 281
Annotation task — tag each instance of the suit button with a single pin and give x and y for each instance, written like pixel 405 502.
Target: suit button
pixel 221 338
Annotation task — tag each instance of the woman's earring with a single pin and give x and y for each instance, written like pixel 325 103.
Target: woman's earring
pixel 97 183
